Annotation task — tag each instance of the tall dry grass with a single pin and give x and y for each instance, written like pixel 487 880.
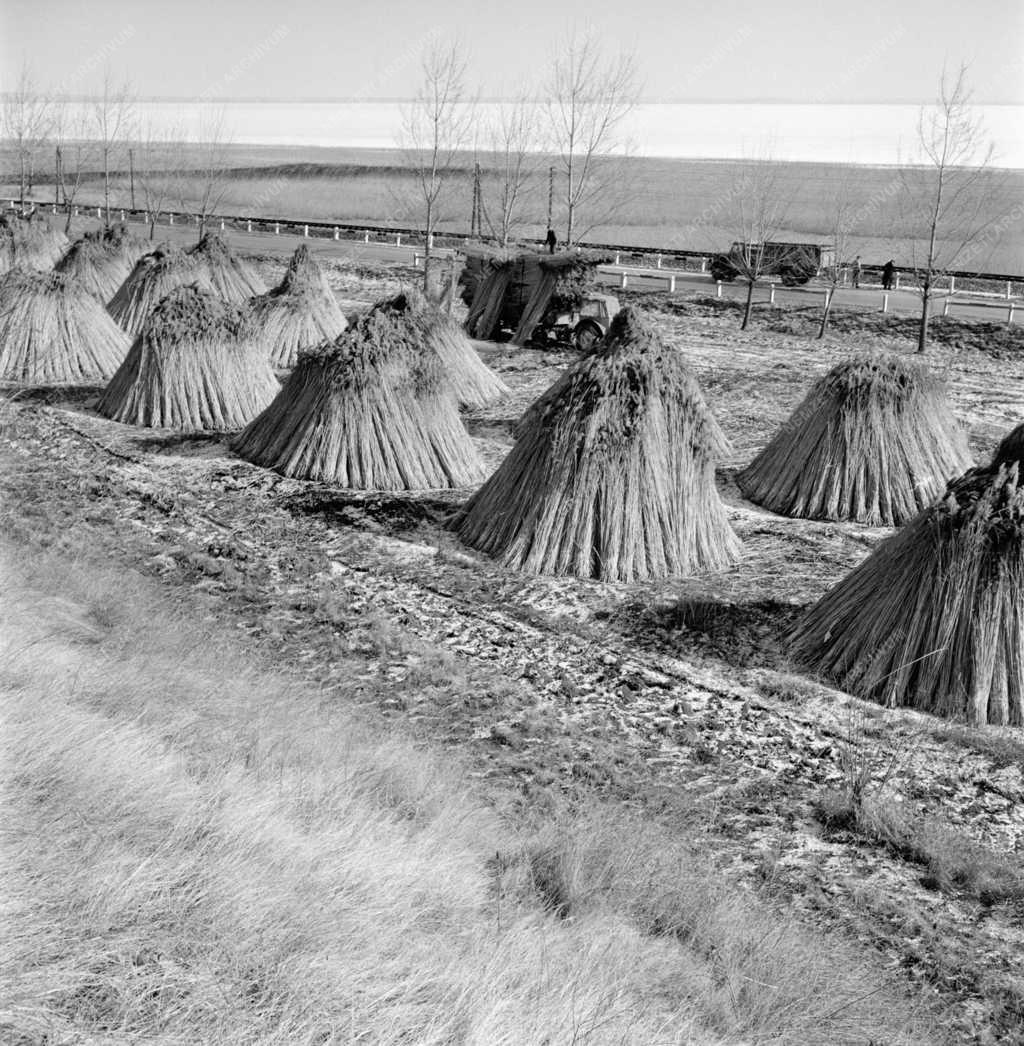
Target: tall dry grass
pixel 199 850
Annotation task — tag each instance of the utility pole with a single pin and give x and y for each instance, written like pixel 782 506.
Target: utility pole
pixel 551 196
pixel 57 180
pixel 476 218
pixel 131 175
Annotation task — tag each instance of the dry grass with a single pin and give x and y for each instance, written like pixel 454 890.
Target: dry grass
pixel 231 278
pixel 614 479
pixel 299 313
pixel 874 442
pixel 194 367
pixel 470 379
pixel 53 332
pixel 370 411
pixel 102 260
pixel 200 850
pixel 30 243
pixel 933 618
pixel 155 275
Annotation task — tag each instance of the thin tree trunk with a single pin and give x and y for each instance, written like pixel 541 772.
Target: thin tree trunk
pixel 922 330
pixel 427 246
pixel 829 294
pixel 106 188
pixel 749 305
pixel 22 183
pixel 152 227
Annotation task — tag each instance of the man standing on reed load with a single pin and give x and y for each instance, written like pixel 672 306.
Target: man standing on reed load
pixel 551 240
pixel 856 271
pixel 888 271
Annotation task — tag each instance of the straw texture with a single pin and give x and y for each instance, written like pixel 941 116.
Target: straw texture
pixel 231 278
pixel 299 313
pixel 934 618
pixel 193 367
pixel 369 411
pixel 102 260
pixel 874 442
pixel 473 383
pixel 30 243
pixel 615 477
pixel 155 276
pixel 53 332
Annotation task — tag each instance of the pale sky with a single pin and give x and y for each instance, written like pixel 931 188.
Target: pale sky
pixel 687 50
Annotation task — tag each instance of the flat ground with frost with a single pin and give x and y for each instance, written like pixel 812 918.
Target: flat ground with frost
pixel 213 826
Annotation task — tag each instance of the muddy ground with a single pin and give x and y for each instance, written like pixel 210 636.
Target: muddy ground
pixel 676 696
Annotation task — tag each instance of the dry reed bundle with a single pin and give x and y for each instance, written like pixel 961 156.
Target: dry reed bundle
pixel 102 260
pixel 369 411
pixel 934 618
pixel 30 243
pixel 873 442
pixel 471 380
pixel 615 479
pixel 299 313
pixel 231 278
pixel 192 367
pixel 54 332
pixel 154 277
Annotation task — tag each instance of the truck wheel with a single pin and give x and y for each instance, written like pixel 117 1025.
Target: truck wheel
pixel 586 335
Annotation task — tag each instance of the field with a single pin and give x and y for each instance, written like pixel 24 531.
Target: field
pixel 478 806
pixel 658 203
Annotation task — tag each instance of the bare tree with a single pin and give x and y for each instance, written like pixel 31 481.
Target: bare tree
pixel 27 121
pixel 513 139
pixel 74 154
pixel 946 200
pixel 211 170
pixel 113 119
pixel 842 217
pixel 761 208
pixel 159 172
pixel 435 127
pixel 587 101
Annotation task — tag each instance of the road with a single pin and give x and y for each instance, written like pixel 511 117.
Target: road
pixel 901 302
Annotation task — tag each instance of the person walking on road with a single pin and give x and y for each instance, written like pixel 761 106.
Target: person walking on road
pixel 551 240
pixel 888 271
pixel 856 272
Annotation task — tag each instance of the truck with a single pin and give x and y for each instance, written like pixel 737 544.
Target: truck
pixel 793 263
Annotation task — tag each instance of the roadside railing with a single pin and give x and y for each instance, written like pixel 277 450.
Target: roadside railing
pixel 649 263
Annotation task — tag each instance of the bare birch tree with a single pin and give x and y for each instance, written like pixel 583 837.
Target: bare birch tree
pixel 159 171
pixel 513 139
pixel 842 216
pixel 113 119
pixel 27 122
pixel 75 153
pixel 761 209
pixel 946 200
pixel 587 101
pixel 436 126
pixel 210 177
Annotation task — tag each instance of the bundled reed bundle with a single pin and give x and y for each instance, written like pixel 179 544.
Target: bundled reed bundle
pixel 231 278
pixel 615 478
pixel 874 442
pixel 154 277
pixel 192 367
pixel 30 243
pixel 102 260
pixel 54 332
pixel 934 618
pixel 369 411
pixel 471 380
pixel 299 313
